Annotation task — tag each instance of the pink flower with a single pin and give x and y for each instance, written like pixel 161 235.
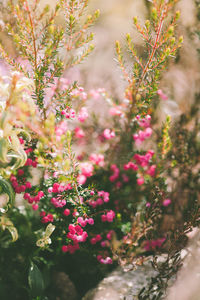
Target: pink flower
pixel 162 95
pixel 105 244
pixel 64 248
pixel 151 171
pixel 142 135
pixel 115 174
pixel 81 179
pixel 86 169
pixel 167 202
pixel 140 181
pixel 94 94
pixel 60 129
pixel 109 235
pixel 145 122
pixel 28 185
pixel 108 134
pixel 79 133
pixel 103 218
pixel 106 261
pixel 130 165
pixel 125 178
pixel 115 111
pixel 35 206
pixel 90 221
pixel 97 159
pixel 26 196
pixel 118 184
pixel 83 114
pixel 66 212
pixel 110 216
pixel 20 172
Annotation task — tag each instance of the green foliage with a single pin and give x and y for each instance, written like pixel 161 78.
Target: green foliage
pixel 35 281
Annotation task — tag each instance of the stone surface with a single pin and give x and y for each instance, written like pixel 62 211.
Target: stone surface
pixel 120 285
pixel 187 286
pixel 63 287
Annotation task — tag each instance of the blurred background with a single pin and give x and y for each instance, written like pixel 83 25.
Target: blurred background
pixel 180 82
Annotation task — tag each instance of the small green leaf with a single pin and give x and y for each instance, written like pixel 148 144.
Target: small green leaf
pixel 35 280
pixel 7 188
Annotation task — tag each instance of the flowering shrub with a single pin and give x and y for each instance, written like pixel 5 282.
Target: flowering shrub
pixel 113 198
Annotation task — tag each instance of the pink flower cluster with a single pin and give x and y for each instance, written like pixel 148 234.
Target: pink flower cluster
pixel 144 122
pixel 57 202
pixel 108 134
pixel 162 95
pixel 103 197
pixel 96 93
pixel 30 162
pixel 46 218
pixel 83 114
pixel 86 170
pixel 109 216
pixel 143 160
pixel 76 233
pixel 26 185
pixel 105 261
pixel 35 199
pixel 115 111
pixel 97 159
pixel 60 129
pixel 105 244
pixel 84 222
pixel 130 166
pixel 79 133
pixel 115 174
pixel 59 188
pixel 79 93
pixel 17 187
pixel 167 202
pixel 70 248
pixel 68 113
pixel 96 239
pixel 142 135
pixel 153 244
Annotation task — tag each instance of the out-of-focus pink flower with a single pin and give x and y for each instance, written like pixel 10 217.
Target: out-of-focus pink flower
pixel 108 134
pixel 167 202
pixel 83 114
pixel 162 95
pixel 79 133
pixel 97 159
pixel 115 111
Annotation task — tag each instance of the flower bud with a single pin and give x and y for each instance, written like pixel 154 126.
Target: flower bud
pixel 181 39
pixel 177 16
pixel 138 97
pixel 147 24
pixel 128 37
pixel 171 30
pixel 154 14
pixel 135 20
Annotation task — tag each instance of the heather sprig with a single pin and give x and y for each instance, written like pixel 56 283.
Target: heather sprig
pixel 160 44
pixel 45 48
